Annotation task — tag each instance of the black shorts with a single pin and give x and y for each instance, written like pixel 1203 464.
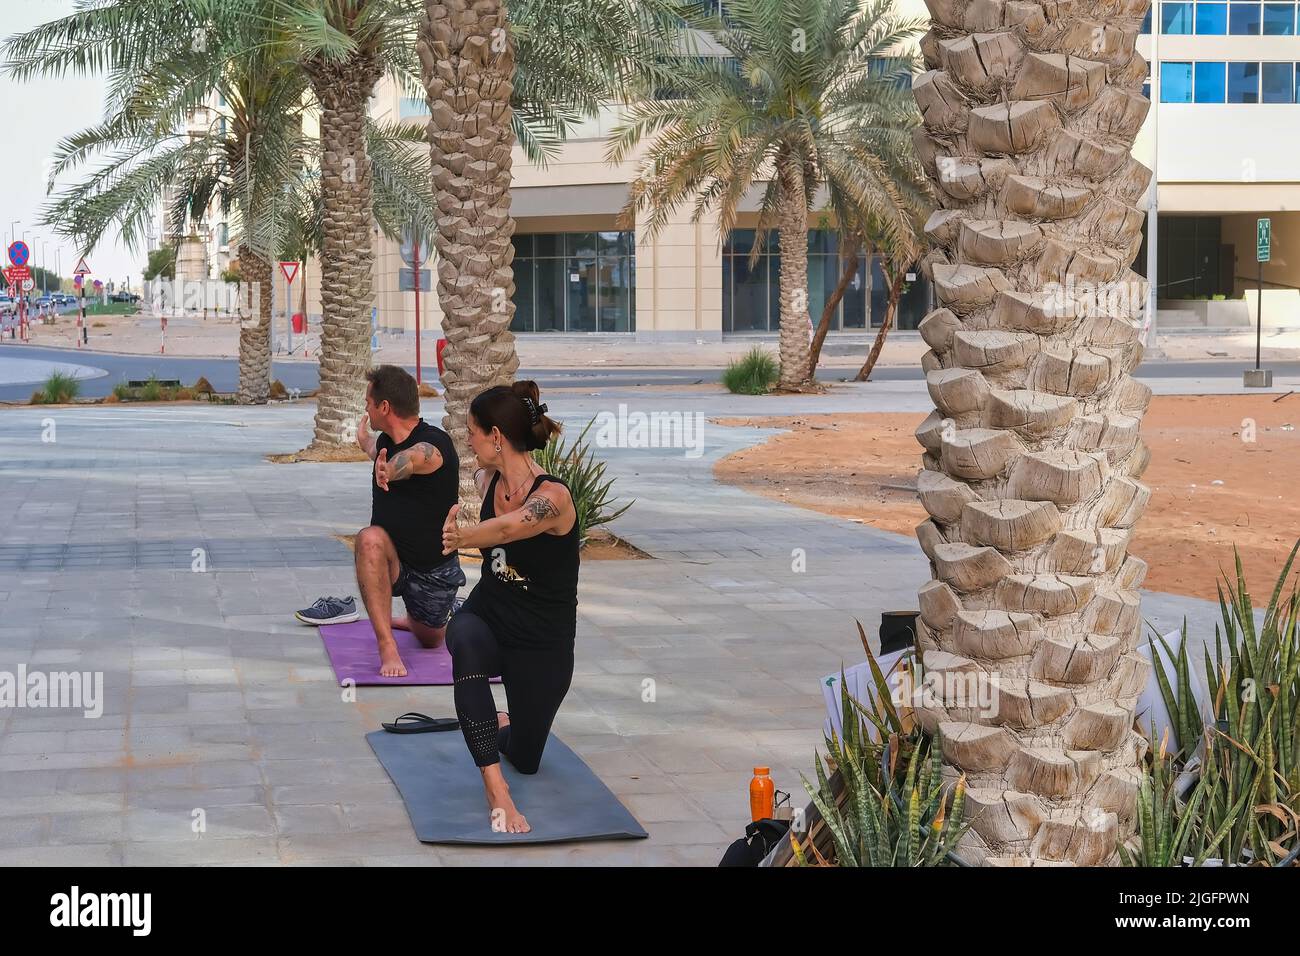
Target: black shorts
pixel 428 595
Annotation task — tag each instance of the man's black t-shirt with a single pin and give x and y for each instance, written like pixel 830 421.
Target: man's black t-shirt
pixel 414 509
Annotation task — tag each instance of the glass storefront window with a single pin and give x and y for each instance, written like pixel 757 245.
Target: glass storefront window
pixel 548 244
pixel 751 296
pixel 1176 83
pixel 584 292
pixel 1279 19
pixel 1210 85
pixel 1277 83
pixel 1243 82
pixel 552 287
pixel 579 243
pixel 748 295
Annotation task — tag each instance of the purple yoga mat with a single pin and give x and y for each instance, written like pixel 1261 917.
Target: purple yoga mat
pixel 354 654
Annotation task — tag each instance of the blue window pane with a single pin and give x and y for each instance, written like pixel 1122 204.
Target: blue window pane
pixel 1176 18
pixel 1244 18
pixel 1209 82
pixel 1211 19
pixel 1279 19
pixel 1243 82
pixel 1175 83
pixel 1277 83
pixel 1146 22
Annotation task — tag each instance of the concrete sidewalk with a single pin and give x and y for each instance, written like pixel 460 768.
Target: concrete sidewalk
pixel 217 700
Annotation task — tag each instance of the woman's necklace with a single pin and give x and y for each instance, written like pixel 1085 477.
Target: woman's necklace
pixel 510 494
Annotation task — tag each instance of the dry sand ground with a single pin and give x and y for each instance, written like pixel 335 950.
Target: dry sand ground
pixel 844 464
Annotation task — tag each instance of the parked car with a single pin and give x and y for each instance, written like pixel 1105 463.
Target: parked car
pixel 123 296
pixel 7 305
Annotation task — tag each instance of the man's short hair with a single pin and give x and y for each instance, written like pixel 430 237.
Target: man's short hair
pixel 395 385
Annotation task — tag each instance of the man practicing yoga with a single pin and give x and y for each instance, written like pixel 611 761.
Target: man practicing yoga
pixel 521 618
pixel 413 486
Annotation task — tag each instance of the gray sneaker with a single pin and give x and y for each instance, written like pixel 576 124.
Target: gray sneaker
pixel 330 610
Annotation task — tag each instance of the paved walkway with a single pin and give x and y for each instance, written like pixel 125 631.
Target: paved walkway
pixel 215 699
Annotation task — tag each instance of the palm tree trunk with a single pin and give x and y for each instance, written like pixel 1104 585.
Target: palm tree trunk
pixel 1032 454
pixel 255 332
pixel 467 59
pixel 828 313
pixel 347 253
pixel 891 310
pixel 793 228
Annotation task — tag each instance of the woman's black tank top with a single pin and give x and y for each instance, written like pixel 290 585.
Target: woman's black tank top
pixel 530 587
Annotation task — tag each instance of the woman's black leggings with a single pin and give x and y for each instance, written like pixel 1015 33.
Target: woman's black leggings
pixel 535 682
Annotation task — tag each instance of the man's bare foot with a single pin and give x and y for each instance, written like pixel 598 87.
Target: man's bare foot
pixel 390 662
pixel 505 816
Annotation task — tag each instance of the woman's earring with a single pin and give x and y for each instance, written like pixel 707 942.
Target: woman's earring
pixel 497 449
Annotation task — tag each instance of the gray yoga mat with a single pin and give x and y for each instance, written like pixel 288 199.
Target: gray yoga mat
pixel 443 791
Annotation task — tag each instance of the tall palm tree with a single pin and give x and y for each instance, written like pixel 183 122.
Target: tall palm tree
pixel 345 47
pixel 808 95
pixel 496 74
pixel 1032 455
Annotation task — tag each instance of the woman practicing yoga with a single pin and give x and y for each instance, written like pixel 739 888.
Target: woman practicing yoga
pixel 521 618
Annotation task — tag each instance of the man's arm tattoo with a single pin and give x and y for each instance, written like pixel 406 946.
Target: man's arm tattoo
pixel 539 508
pixel 404 462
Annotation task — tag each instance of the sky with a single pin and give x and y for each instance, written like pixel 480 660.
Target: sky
pixel 36 116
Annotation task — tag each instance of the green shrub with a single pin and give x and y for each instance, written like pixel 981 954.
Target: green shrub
pixel 60 388
pixel 884 800
pixel 754 373
pixel 152 391
pixel 1248 751
pixel 585 476
pixel 123 392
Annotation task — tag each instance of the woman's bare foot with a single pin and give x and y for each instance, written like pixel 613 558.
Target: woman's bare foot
pixel 390 662
pixel 504 815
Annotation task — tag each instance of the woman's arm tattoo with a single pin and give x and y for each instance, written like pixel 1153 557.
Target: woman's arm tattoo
pixel 539 508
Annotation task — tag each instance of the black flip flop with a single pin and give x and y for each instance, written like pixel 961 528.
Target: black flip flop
pixel 421 724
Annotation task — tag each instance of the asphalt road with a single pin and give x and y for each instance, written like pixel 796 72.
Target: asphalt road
pixel 224 373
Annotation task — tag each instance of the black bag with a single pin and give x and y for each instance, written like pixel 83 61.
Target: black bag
pixel 759 839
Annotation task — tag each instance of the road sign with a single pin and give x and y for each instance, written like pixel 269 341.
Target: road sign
pixel 1263 239
pixel 408 252
pixel 16 274
pixel 290 270
pixel 76 280
pixel 83 267
pixel 406 280
pixel 29 284
pixel 19 253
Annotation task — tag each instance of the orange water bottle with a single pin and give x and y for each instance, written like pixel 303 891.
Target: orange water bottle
pixel 762 795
